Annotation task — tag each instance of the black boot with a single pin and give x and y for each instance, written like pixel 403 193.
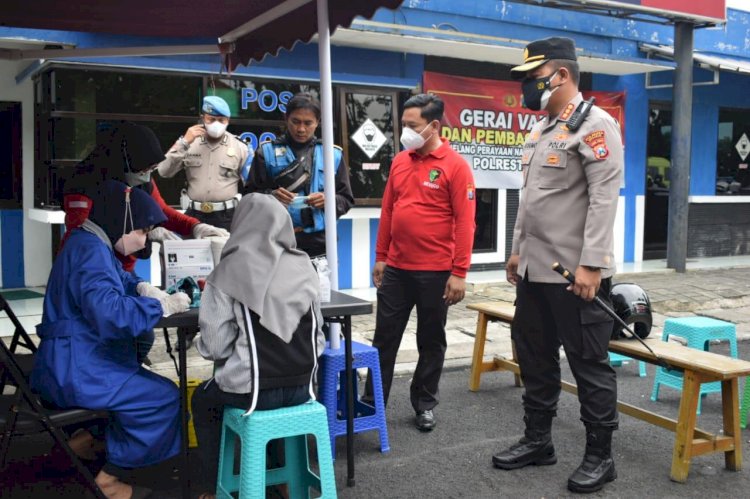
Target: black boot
pixel 535 447
pixel 597 467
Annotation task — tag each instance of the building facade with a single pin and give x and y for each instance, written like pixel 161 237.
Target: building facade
pixel 54 110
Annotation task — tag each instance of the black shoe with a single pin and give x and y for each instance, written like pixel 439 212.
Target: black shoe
pixel 425 420
pixel 593 473
pixel 524 453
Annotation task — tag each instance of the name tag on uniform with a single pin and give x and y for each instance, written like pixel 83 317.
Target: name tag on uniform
pixel 230 152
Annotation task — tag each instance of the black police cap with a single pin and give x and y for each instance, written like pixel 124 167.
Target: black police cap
pixel 540 52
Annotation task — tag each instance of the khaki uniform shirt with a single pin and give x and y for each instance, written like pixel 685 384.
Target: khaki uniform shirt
pixel 569 197
pixel 212 168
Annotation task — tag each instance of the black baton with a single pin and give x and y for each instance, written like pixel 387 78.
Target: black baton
pixel 572 280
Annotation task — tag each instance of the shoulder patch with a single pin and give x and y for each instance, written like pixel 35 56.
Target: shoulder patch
pixel 597 142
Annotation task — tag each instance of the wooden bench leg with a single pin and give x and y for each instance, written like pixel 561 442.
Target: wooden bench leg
pixel 683 444
pixel 477 359
pixel 730 407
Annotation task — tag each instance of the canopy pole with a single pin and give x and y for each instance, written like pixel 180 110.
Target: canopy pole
pixel 679 175
pixel 326 109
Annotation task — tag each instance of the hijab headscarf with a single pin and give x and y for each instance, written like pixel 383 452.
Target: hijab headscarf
pixel 136 146
pixel 124 149
pixel 116 216
pixel 262 268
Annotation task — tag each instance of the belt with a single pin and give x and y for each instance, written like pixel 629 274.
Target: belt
pixel 209 207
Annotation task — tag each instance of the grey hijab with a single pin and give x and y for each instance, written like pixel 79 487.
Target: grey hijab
pixel 262 268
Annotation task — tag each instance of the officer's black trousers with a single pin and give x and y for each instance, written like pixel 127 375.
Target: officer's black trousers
pixel 399 292
pixel 547 315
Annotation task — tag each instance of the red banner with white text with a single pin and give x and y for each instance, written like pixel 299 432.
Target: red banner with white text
pixel 486 123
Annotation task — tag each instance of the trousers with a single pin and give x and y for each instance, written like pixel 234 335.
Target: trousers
pixel 399 292
pixel 547 316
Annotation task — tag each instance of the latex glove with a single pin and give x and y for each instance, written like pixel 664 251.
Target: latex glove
pixel 145 289
pixel 160 234
pixel 204 230
pixel 174 304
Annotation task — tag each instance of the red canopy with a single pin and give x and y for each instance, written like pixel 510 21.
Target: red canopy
pixel 180 19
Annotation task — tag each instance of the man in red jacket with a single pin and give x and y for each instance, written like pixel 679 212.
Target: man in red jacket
pixel 423 249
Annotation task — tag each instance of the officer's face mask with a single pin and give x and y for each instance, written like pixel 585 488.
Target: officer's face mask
pixel 536 92
pixel 215 129
pixel 412 140
pixel 131 242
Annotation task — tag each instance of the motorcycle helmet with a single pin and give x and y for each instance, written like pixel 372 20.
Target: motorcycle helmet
pixel 632 305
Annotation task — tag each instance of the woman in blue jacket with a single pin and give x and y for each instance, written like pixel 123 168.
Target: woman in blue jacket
pixel 93 314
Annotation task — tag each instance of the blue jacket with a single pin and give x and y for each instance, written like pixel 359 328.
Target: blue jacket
pixel 92 315
pixel 278 156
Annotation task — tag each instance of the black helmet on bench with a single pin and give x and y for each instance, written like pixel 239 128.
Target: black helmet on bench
pixel 632 305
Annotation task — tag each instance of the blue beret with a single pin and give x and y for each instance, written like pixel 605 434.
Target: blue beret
pixel 216 106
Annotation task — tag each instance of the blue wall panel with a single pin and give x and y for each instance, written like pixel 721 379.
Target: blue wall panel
pixel 344 231
pixel 11 239
pixel 374 224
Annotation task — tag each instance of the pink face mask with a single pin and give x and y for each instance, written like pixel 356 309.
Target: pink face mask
pixel 131 242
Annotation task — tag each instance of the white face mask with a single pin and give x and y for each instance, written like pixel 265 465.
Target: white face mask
pixel 131 242
pixel 135 179
pixel 215 129
pixel 412 140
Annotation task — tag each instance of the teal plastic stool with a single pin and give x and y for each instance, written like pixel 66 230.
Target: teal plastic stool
pixel 698 332
pixel 292 424
pixel 616 360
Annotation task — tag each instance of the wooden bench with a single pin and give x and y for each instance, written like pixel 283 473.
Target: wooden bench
pixel 697 366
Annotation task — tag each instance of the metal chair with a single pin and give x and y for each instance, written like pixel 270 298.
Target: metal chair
pixel 20 338
pixel 22 413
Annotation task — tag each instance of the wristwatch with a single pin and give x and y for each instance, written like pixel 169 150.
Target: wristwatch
pixel 182 141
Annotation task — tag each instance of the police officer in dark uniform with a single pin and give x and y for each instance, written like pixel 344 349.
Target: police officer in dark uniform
pixel 291 168
pixel 572 167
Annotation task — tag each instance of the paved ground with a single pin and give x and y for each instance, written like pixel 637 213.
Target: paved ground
pixel 454 460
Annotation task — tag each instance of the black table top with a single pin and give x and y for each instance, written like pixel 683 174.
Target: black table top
pixel 341 304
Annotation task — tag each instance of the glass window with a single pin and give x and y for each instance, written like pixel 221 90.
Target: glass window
pixel 96 91
pixel 10 155
pixel 369 142
pixel 256 100
pixel 659 155
pixel 733 152
pixel 485 235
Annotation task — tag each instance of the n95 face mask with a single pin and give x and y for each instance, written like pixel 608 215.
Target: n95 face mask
pixel 215 129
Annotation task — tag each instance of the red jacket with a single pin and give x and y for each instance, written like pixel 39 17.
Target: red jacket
pixel 78 206
pixel 427 218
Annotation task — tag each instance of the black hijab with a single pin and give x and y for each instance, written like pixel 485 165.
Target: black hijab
pixel 110 209
pixel 126 147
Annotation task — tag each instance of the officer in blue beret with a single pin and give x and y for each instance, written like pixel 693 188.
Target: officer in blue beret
pixel 212 159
